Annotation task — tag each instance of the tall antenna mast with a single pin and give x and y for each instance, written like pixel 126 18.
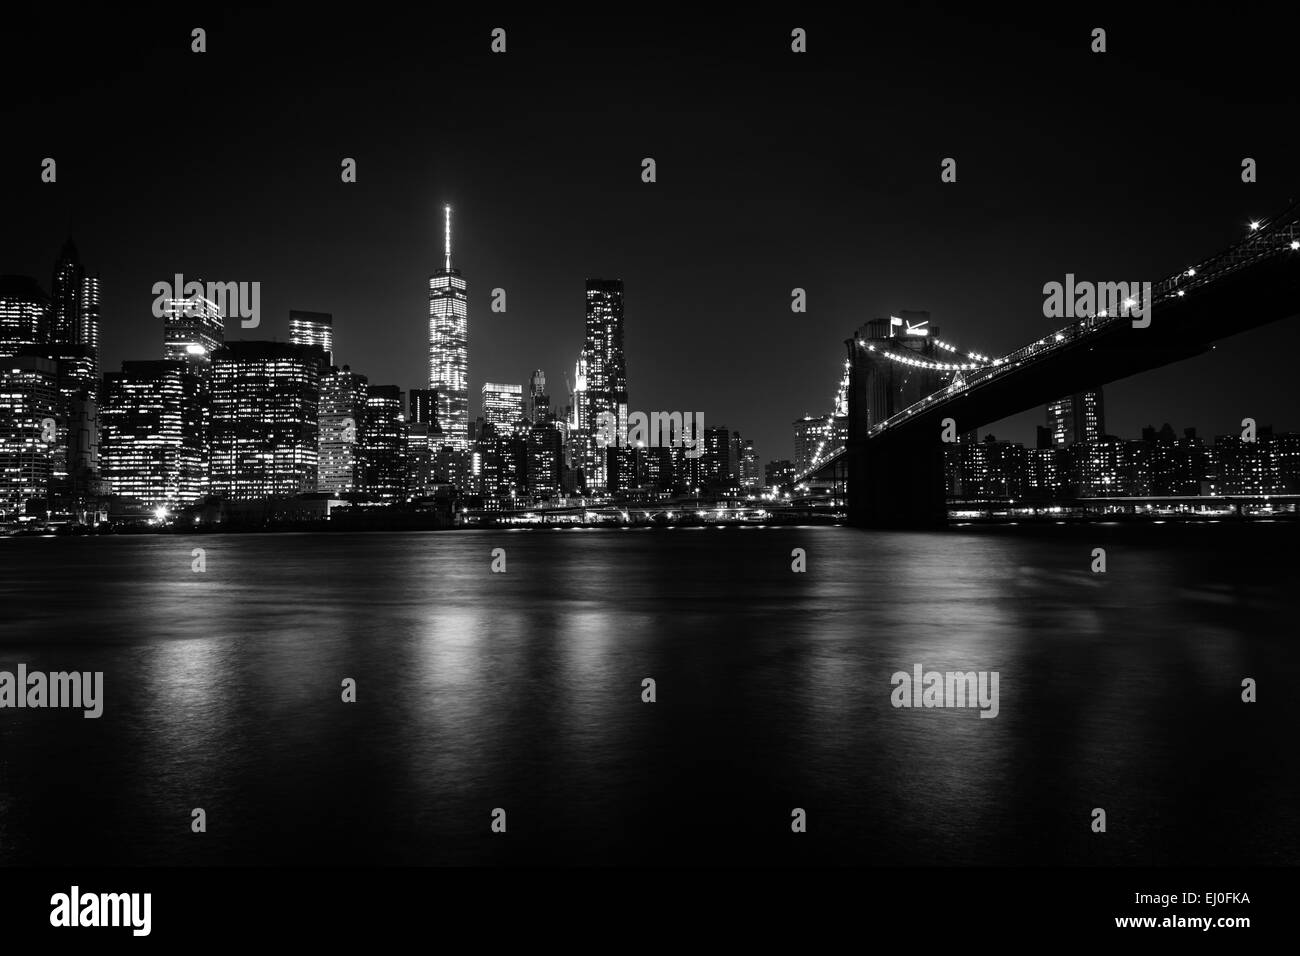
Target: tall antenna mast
pixel 447 236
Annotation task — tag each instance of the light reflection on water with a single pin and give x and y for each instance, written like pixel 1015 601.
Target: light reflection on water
pixel 523 691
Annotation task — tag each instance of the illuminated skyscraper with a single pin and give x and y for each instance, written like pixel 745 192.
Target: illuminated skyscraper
pixel 988 469
pixel 33 326
pixel 814 439
pixel 449 347
pixel 88 327
pixel 420 479
pixel 545 459
pixel 24 314
pixel 578 402
pixel 384 443
pixel 606 371
pixel 193 329
pixel 29 396
pixel 76 453
pixel 503 406
pixel 313 328
pixel 74 314
pixel 1079 417
pixel 746 462
pixel 718 470
pixel 265 398
pixel 343 396
pixel 152 444
pixel 65 294
pixel 539 403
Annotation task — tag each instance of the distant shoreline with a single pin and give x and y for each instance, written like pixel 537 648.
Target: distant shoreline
pixel 800 522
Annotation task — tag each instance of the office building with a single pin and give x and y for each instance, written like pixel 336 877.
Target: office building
pixel 313 328
pixel 29 402
pixel 503 406
pixel 265 431
pixel 24 314
pixel 193 330
pixel 1075 418
pixel 449 346
pixel 384 443
pixel 152 434
pixel 343 401
pixel 604 373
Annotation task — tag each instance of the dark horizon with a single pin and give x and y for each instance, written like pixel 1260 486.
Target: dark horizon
pixel 775 171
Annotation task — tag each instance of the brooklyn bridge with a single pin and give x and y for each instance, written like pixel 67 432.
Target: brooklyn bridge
pixel 909 391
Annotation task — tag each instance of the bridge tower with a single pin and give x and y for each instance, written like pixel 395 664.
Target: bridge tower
pixel 899 482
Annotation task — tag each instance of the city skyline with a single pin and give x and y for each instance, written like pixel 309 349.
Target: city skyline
pixel 380 468
pixel 193 329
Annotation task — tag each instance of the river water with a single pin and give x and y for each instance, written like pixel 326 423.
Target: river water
pixel 523 691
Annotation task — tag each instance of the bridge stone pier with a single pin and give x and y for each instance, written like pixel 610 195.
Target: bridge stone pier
pixel 897 484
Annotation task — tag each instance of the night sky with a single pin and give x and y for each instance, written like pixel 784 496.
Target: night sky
pixel 775 170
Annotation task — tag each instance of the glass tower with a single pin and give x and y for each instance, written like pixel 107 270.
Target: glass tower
pixel 313 328
pixel 152 444
pixel 193 329
pixel 265 420
pixel 75 308
pixel 449 347
pixel 606 371
pixel 503 406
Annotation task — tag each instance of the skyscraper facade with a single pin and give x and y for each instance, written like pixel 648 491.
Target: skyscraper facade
pixel 420 476
pixel 152 433
pixel 265 433
pixel 88 327
pixel 384 441
pixel 502 462
pixel 814 439
pixel 745 458
pixel 193 329
pixel 313 328
pixel 545 459
pixel 718 469
pixel 539 403
pixel 449 347
pixel 606 371
pixel 342 418
pixel 75 306
pixel 76 450
pixel 503 406
pixel 575 449
pixel 24 314
pixel 29 396
pixel 1075 418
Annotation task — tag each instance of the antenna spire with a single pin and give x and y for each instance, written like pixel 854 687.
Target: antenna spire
pixel 447 236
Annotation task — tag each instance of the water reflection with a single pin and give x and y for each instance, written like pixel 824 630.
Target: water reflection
pixel 523 691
